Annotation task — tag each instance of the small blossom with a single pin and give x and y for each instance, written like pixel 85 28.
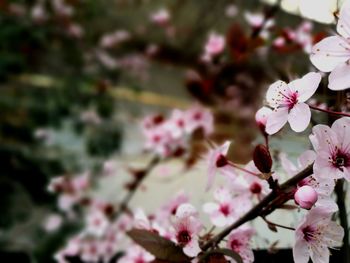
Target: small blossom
pixel 261 118
pixel 332 54
pixel 187 226
pixel 239 242
pixel 288 101
pixel 333 149
pixel 314 235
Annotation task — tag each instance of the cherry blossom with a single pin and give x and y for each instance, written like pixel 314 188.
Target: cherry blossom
pixel 136 254
pixel 96 223
pixel 323 186
pixel 332 145
pixel 239 241
pixel 199 117
pixel 218 163
pixel 226 209
pixel 315 233
pixel 161 17
pixel 186 227
pixel 332 54
pixel 214 45
pixel 288 101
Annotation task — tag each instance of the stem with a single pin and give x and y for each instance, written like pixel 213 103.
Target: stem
pixel 241 168
pixel 341 194
pixel 256 210
pixel 124 203
pixel 278 225
pixel 330 111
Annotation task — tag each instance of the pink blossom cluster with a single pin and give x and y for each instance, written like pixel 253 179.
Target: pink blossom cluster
pixel 167 137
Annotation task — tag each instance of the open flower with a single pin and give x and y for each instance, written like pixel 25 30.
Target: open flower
pixel 333 149
pixel 314 235
pixel 239 241
pixel 226 209
pixel 288 101
pixel 187 226
pixel 332 54
pixel 218 163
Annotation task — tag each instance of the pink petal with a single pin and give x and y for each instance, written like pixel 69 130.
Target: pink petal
pixel 276 120
pixel 320 253
pixel 210 207
pixel 274 91
pixel 329 53
pixel 323 137
pixel 299 117
pixel 343 26
pixel 300 252
pixel 192 249
pixel 342 129
pixel 339 79
pixel 306 86
pixel 218 219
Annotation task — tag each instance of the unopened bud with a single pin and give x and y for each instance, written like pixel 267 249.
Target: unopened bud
pixel 262 159
pixel 305 197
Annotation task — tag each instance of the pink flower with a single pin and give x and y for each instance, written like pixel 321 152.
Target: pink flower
pixel 333 149
pixel 239 241
pixel 215 45
pixel 218 163
pixel 332 54
pixel 226 209
pixel 314 235
pixel 187 226
pixel 288 101
pixel 96 223
pixel 170 208
pixel 136 254
pixel 323 186
pixel 199 117
pixel 306 197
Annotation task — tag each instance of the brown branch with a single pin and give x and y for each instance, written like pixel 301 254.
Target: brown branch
pixel 285 190
pixel 124 203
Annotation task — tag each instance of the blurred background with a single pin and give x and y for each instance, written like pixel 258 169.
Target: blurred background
pixel 78 76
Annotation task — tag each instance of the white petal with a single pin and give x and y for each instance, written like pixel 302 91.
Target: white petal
pixel 306 158
pixel 273 92
pixel 306 86
pixel 299 117
pixel 300 252
pixel 323 138
pixel 329 53
pixel 192 249
pixel 343 26
pixel 276 120
pixel 342 129
pixel 339 79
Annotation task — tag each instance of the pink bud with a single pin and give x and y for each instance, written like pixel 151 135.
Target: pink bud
pixel 305 196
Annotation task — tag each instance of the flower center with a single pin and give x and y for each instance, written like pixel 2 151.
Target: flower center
pixel 197 116
pixel 309 233
pixel 289 100
pixel 221 161
pixel 183 237
pixel 255 188
pixel 235 245
pixel 341 160
pixel 225 209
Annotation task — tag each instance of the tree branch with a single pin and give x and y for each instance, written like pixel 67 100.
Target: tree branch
pixel 284 192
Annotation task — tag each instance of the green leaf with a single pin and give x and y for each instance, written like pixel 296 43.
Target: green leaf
pixel 160 247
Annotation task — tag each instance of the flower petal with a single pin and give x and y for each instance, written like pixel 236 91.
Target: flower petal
pixel 276 120
pixel 299 117
pixel 192 249
pixel 306 86
pixel 339 79
pixel 329 53
pixel 300 252
pixel 343 26
pixel 274 92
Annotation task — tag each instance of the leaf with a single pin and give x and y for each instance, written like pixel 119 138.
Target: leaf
pixel 272 227
pixel 160 247
pixel 224 251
